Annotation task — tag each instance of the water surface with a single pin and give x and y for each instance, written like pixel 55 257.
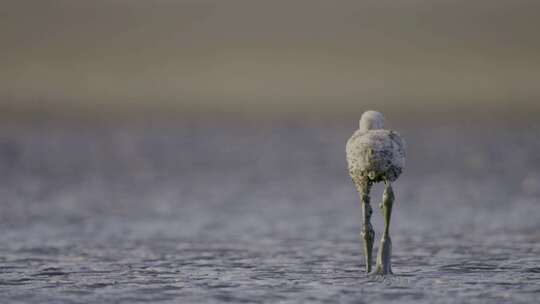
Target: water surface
pixel 183 214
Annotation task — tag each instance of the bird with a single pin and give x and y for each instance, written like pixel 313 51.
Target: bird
pixel 375 154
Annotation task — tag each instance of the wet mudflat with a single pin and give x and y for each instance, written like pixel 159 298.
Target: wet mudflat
pixel 197 214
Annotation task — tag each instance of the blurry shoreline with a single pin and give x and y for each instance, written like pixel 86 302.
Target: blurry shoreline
pixel 497 116
pixel 421 63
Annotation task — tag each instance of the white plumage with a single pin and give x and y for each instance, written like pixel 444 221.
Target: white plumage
pixel 374 154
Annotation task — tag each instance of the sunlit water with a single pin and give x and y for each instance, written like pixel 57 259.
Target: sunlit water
pixel 181 214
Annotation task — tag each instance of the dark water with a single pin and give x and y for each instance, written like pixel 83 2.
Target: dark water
pixel 180 214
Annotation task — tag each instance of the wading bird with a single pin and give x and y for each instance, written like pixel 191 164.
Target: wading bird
pixel 375 155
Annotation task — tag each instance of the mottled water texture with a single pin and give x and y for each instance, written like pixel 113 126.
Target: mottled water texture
pixel 191 214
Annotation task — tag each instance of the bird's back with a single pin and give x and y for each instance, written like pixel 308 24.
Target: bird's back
pixel 375 154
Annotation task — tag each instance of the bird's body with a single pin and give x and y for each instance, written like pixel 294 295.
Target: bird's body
pixel 375 155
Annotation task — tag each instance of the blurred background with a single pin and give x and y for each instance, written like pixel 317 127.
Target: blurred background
pixel 241 59
pixel 194 149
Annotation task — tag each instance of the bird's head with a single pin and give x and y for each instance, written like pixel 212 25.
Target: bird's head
pixel 371 120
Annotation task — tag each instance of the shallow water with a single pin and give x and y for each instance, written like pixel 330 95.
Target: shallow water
pixel 181 214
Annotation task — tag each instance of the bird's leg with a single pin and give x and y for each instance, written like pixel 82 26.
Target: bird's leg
pixel 384 265
pixel 367 233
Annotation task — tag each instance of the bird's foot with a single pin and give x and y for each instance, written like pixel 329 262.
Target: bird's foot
pixel 384 263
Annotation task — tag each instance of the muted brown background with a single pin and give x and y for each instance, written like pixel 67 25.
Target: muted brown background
pixel 262 59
